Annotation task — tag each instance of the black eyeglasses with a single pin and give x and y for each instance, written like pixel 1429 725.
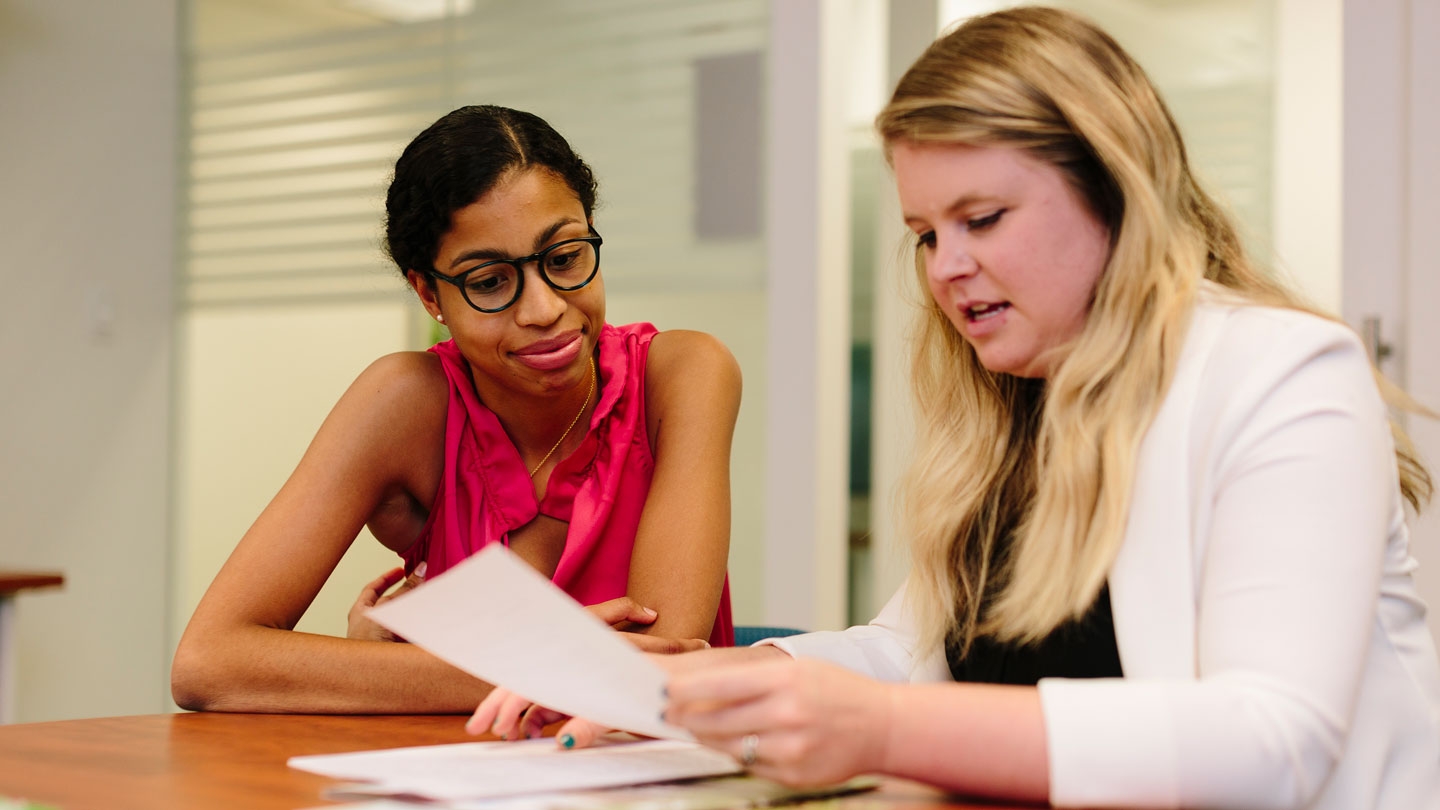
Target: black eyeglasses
pixel 495 285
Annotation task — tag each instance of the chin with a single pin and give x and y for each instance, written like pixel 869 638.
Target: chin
pixel 1014 368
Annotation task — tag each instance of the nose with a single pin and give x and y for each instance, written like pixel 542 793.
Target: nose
pixel 950 260
pixel 539 304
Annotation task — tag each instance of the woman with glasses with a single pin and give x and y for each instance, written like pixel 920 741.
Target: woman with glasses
pixel 1157 517
pixel 598 453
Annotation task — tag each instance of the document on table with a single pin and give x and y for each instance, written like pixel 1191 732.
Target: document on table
pixel 498 619
pixel 489 770
pixel 719 793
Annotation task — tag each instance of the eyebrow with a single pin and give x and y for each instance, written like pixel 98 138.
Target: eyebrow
pixel 492 254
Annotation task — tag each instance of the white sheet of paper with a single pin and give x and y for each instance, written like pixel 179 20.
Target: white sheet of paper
pixel 484 770
pixel 498 619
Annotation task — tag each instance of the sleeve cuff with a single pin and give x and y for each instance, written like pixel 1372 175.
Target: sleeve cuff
pixel 1110 742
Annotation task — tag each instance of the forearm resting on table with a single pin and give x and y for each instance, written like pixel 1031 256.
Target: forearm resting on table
pixel 717 657
pixel 974 739
pixel 262 669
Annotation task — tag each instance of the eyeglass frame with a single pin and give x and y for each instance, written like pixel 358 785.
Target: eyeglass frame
pixel 519 263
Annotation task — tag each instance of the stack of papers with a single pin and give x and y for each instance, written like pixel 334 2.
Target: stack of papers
pixel 487 770
pixel 498 619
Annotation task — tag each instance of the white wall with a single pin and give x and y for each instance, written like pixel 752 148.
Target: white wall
pixel 87 153
pixel 254 384
pixel 1306 216
pixel 1422 288
pixel 1389 208
pixel 738 319
pixel 807 198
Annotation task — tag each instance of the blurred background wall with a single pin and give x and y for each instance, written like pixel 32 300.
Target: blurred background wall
pixel 191 191
pixel 89 141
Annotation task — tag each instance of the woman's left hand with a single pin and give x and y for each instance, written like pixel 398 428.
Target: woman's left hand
pixel 513 717
pixel 800 722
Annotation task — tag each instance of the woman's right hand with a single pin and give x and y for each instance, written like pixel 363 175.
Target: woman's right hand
pixel 512 717
pixel 799 722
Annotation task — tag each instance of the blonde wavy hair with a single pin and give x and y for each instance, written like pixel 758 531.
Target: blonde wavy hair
pixel 1049 464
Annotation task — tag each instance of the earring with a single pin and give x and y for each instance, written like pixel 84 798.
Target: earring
pixel 439 317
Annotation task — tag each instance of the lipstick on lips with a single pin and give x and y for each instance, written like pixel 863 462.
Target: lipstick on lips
pixel 551 353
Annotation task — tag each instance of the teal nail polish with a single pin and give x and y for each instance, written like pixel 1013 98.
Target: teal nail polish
pixel 567 740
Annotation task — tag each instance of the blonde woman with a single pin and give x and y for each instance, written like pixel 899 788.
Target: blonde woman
pixel 1157 511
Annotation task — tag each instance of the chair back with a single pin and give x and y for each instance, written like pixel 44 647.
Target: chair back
pixel 747 634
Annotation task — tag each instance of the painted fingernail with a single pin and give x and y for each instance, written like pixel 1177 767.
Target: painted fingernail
pixel 567 740
pixel 420 570
pixel 650 612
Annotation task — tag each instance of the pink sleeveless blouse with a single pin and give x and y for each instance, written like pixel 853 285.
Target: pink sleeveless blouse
pixel 600 489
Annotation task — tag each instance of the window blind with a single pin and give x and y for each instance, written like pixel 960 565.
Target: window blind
pixel 291 143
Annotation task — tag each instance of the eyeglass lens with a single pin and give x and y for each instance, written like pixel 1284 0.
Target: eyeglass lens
pixel 566 265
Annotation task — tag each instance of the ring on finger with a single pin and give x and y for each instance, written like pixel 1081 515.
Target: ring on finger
pixel 749 749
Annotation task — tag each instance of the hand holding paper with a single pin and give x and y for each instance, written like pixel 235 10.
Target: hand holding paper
pixel 498 619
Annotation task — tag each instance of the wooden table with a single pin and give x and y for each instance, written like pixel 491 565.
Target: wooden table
pixel 221 761
pixel 11 584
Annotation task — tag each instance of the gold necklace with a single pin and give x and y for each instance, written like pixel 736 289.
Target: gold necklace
pixel 588 394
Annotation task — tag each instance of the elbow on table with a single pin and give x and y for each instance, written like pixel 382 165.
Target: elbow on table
pixel 197 681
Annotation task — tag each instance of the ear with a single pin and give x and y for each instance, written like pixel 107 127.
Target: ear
pixel 425 290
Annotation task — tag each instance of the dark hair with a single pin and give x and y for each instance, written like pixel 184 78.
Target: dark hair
pixel 456 161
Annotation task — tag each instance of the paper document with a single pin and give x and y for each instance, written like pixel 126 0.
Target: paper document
pixel 484 770
pixel 737 792
pixel 498 619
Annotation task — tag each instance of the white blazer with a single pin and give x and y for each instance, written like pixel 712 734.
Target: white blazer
pixel 1274 649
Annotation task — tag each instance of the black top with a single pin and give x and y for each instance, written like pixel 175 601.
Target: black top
pixel 1084 648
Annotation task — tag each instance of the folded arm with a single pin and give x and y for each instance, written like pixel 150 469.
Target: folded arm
pixel 682 544
pixel 240 651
